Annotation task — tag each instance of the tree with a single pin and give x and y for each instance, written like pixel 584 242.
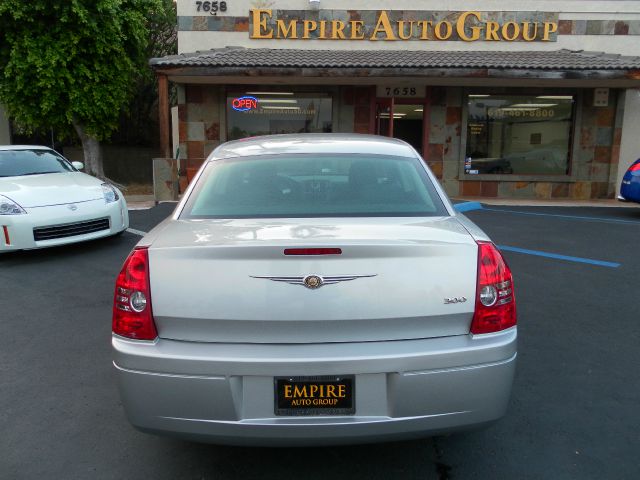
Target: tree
pixel 139 124
pixel 73 65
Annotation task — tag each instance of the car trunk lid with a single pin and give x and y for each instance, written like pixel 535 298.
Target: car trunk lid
pixel 209 280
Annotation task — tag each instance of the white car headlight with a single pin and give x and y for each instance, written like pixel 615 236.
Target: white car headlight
pixel 110 193
pixel 9 207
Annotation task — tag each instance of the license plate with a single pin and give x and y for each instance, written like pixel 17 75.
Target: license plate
pixel 315 395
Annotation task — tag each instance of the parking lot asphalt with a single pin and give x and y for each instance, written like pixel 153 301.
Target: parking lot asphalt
pixel 573 413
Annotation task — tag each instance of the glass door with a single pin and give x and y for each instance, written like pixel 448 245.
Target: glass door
pixel 408 124
pixel 403 119
pixel 384 112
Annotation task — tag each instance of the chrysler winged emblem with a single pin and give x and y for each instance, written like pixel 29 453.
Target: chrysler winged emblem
pixel 313 281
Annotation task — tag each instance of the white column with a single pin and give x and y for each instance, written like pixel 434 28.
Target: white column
pixel 630 143
pixel 175 133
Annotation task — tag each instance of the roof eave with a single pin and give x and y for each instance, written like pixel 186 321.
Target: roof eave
pixel 507 73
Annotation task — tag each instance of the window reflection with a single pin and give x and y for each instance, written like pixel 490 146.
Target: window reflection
pixel 32 162
pixel 263 113
pixel 517 134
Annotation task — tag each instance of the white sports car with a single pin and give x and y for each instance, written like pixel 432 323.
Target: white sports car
pixel 46 201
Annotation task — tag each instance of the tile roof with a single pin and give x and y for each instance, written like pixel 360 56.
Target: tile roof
pixel 290 58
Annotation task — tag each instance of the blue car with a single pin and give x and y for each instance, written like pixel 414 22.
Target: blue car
pixel 630 188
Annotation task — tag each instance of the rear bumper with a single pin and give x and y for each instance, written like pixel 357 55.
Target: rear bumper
pixel 224 393
pixel 20 227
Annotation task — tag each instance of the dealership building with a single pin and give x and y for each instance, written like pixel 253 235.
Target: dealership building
pixel 526 98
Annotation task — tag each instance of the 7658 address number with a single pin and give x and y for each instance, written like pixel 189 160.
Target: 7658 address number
pixel 213 7
pixel 401 91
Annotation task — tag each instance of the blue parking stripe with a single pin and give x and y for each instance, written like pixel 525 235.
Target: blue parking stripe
pixel 556 256
pixel 572 217
pixel 467 206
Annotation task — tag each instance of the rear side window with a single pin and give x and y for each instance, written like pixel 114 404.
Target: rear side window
pixel 314 186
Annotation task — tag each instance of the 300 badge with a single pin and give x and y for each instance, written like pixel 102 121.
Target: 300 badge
pixel 323 395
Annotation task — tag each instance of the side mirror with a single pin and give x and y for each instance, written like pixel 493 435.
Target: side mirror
pixel 78 165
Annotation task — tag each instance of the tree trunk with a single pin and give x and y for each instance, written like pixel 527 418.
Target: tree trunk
pixel 92 152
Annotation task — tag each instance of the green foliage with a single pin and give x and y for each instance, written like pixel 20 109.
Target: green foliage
pixel 73 61
pixel 162 23
pixel 139 124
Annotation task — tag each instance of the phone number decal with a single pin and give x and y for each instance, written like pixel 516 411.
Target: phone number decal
pixel 521 112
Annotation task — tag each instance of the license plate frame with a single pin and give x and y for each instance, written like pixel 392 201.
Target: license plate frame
pixel 314 402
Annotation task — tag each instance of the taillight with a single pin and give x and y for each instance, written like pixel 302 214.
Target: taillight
pixel 635 167
pixel 495 299
pixel 132 315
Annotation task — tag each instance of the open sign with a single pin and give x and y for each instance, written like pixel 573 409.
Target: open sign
pixel 242 104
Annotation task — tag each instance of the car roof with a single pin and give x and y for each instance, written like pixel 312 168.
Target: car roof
pixel 313 143
pixel 23 147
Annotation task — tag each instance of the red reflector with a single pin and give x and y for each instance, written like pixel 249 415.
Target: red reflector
pixel 7 240
pixel 312 251
pixel 495 297
pixel 132 315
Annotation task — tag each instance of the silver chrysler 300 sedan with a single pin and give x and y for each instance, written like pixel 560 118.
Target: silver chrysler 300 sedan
pixel 314 289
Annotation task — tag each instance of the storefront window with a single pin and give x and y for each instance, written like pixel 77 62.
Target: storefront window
pixel 518 134
pixel 262 113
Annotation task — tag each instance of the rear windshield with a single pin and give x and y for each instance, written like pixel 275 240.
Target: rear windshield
pixel 314 186
pixel 14 163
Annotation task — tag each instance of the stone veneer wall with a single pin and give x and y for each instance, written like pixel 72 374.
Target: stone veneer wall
pixel 200 113
pixel 445 135
pixel 597 146
pixel 595 157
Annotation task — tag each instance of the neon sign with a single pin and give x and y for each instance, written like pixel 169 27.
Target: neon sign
pixel 243 104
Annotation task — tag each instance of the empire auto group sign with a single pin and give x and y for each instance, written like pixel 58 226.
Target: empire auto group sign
pixel 398 25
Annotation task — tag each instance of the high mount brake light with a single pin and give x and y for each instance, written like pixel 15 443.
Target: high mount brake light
pixel 312 251
pixel 132 314
pixel 495 298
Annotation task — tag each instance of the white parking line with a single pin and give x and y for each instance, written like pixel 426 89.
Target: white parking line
pixel 136 232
